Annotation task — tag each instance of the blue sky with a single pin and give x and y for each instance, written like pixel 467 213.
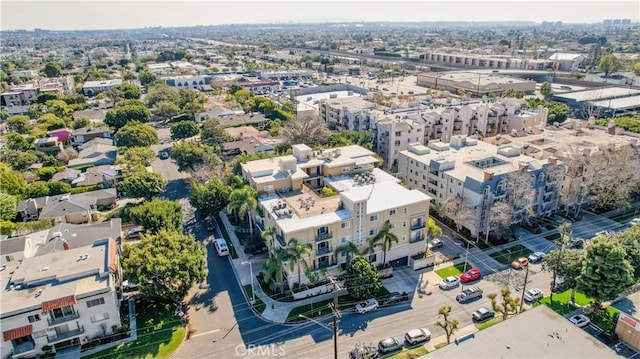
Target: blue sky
pixel 115 14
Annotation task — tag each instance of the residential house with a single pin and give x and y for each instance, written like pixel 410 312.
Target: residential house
pixel 86 134
pixel 92 88
pixel 66 208
pixel 248 145
pixel 566 61
pixel 48 145
pixel 62 134
pixel 366 197
pixel 95 153
pixel 477 173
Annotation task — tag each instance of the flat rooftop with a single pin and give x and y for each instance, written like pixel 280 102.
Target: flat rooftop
pixel 537 333
pixel 476 78
pixel 598 94
pixel 620 103
pixel 306 102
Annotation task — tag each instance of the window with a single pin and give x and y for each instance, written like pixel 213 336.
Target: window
pixel 62 312
pixel 373 232
pixel 346 169
pixel 405 210
pixel 344 225
pixel 40 333
pixel 344 239
pixel 398 133
pixel 373 218
pixel 99 317
pixel 404 238
pixel 8 258
pixel 268 188
pixel 94 302
pixel 404 224
pixel 392 212
pixel 34 318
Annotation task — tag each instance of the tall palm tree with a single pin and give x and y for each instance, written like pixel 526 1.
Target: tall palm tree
pixel 244 200
pixel 432 231
pixel 274 269
pixel 347 250
pixel 296 251
pixel 269 233
pixel 385 239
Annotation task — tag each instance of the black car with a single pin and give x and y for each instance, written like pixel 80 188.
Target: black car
pixel 393 298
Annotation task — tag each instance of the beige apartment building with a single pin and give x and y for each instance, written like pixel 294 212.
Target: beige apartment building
pixel 477 173
pixel 366 197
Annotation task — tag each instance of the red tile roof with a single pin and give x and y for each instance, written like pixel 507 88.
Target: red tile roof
pixel 113 255
pixel 58 303
pixel 17 332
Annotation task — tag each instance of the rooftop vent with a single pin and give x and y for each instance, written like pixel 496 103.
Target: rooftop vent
pixel 38 293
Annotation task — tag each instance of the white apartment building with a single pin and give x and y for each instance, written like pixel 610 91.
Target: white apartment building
pixel 477 173
pixel 60 299
pixel 366 198
pixel 188 81
pixel 483 61
pixel 92 88
pixel 286 75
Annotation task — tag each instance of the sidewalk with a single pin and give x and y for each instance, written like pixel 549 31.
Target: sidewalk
pixel 431 345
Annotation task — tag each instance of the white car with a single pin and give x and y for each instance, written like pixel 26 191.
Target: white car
pixel 449 283
pixel 435 243
pixel 367 306
pixel 580 320
pixel 533 295
pixel 416 336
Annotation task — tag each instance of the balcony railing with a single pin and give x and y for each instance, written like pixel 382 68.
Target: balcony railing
pixel 280 240
pixel 326 265
pixel 23 348
pixel 60 320
pixel 415 239
pixel 417 225
pixel 322 251
pixel 66 335
pixel 323 236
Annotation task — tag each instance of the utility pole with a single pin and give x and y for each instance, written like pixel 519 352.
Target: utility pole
pixel 524 288
pixel 336 314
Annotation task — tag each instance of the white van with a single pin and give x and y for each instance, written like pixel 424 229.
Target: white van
pixel 221 247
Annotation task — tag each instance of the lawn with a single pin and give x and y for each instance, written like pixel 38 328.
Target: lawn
pixel 440 345
pixel 410 353
pixel 506 256
pixel 160 332
pixel 259 304
pixel 454 270
pixel 606 320
pixel 487 323
pixel 223 229
pixel 321 308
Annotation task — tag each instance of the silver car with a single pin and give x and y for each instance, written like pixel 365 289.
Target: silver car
pixel 533 295
pixel 449 283
pixel 416 336
pixel 367 306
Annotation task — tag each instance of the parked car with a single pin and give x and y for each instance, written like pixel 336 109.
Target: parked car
pixel 469 294
pixel 483 314
pixel 520 263
pixel 533 295
pixel 135 232
pixel 364 352
pixel 390 344
pixel 210 225
pixel 393 298
pixel 580 320
pixel 470 275
pixel 576 243
pixel 164 155
pixel 367 306
pixel 435 244
pixel 449 283
pixel 416 336
pixel 634 221
pixel 536 257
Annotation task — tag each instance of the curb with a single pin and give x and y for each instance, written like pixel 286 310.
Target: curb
pixel 184 340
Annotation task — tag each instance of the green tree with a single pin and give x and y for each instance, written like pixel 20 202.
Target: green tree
pixel 296 253
pixel 19 123
pixel 119 116
pixel 508 306
pixel 630 241
pixel 146 77
pixel 161 92
pixel 44 97
pixel 447 324
pixel 158 214
pixel 81 122
pixel 347 250
pixel 8 206
pixel 136 157
pixel 165 265
pixel 166 110
pixel 52 69
pixel 189 155
pixel 135 134
pixel 209 198
pixel 144 184
pixel 361 279
pixel 269 234
pixel 514 93
pixel 635 68
pixel 243 201
pixel 16 142
pixel 609 64
pixel 50 121
pixel 433 230
pixel 606 272
pixel 127 91
pixel 568 268
pixel 274 270
pixel 212 133
pixel 545 89
pixel 56 188
pixel 184 129
pixel 385 239
pixel 7 228
pixel 311 132
pixel 36 189
pixel 558 112
pixel 11 182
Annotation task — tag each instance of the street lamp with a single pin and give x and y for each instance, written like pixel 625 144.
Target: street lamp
pixel 253 290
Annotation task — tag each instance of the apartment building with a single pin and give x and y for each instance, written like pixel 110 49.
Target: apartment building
pixel 92 88
pixel 477 84
pixel 348 113
pixel 483 61
pixel 196 82
pixel 286 75
pixel 60 290
pixel 366 197
pixel 477 173
pixel 263 87
pixel 566 61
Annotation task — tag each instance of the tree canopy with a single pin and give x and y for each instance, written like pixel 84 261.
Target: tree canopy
pixel 136 134
pixel 19 123
pixel 158 214
pixel 189 155
pixel 212 133
pixel 119 116
pixel 361 279
pixel 609 64
pixel 184 129
pixel 144 184
pixel 165 265
pixel 8 206
pixel 209 198
pixel 558 112
pixel 52 69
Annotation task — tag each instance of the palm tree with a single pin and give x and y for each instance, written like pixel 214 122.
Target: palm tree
pixel 269 233
pixel 385 239
pixel 432 231
pixel 274 270
pixel 296 251
pixel 244 201
pixel 347 250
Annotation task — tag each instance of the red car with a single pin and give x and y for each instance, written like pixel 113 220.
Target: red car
pixel 470 275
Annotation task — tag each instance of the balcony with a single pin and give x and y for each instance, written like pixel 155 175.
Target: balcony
pixel 415 239
pixel 66 335
pixel 323 251
pixel 24 348
pixel 326 265
pixel 280 240
pixel 417 225
pixel 60 320
pixel 323 236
